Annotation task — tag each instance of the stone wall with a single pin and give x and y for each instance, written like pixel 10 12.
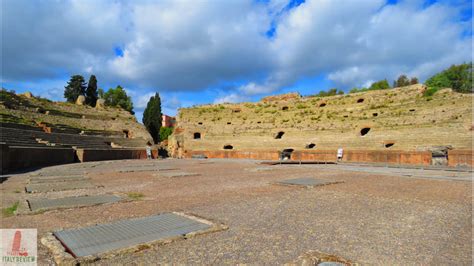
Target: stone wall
pixel 88 155
pixel 17 158
pixel 458 158
pixel 399 126
pixel 388 157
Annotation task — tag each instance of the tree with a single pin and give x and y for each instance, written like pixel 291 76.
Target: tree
pixel 165 132
pixel 118 97
pixel 152 117
pixel 402 81
pixel 330 92
pixel 76 86
pixel 101 93
pixel 380 85
pixel 457 77
pixel 91 91
pixel 414 81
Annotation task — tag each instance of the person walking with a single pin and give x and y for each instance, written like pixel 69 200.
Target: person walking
pixel 148 150
pixel 340 151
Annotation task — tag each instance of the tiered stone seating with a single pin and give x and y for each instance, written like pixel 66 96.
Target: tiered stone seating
pixel 20 135
pixel 23 135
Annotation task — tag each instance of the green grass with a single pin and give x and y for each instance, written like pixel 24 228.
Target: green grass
pixel 430 92
pixel 135 195
pixel 10 211
pixel 301 106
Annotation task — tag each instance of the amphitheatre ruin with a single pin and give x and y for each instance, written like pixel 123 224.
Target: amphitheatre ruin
pixel 245 183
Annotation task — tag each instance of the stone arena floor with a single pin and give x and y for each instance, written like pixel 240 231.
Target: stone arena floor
pixel 378 215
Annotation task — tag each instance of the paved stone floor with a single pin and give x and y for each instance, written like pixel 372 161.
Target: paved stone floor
pixel 378 215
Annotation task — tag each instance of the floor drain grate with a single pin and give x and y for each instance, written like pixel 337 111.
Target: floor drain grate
pixel 46 204
pixel 307 182
pixel 58 186
pixel 123 234
pixel 177 174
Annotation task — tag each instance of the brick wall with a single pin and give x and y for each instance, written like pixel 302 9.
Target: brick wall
pixel 460 158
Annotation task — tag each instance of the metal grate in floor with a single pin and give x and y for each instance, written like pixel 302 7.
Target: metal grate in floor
pixel 46 204
pixel 127 233
pixel 58 186
pixel 307 182
pixel 177 174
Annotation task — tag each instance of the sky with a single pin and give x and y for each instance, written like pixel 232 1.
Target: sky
pixel 199 52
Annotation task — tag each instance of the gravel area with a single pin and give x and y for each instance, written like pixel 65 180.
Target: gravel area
pixel 371 218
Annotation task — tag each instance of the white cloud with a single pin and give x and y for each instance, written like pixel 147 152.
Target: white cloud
pixel 231 98
pixel 173 46
pixel 142 100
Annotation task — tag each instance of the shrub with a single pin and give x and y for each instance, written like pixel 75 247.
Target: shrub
pixel 457 77
pixel 430 91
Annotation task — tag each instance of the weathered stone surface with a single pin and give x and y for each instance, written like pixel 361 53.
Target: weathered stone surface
pixel 81 100
pixel 100 104
pixel 27 94
pixel 402 127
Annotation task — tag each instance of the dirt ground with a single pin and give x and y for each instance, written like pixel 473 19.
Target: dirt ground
pixel 378 215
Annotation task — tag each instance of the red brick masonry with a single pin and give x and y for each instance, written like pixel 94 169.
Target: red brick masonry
pixel 390 157
pixel 460 158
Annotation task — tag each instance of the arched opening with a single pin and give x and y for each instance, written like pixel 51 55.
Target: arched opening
pixel 284 108
pixel 237 110
pixel 279 135
pixel 197 135
pixel 286 154
pixel 322 104
pixel 125 133
pixel 413 110
pixel 375 114
pixel 229 123
pixel 364 131
pixel 200 123
pixel 389 144
pixel 41 111
pixel 228 147
pixel 361 100
pixel 259 122
pixel 310 146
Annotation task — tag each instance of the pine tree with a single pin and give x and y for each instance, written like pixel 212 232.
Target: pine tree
pixel 91 91
pixel 402 81
pixel 152 117
pixel 76 86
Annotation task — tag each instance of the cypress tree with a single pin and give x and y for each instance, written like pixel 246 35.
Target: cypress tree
pixel 152 117
pixel 76 86
pixel 91 91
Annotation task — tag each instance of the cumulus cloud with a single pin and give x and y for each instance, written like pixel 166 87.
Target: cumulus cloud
pixel 231 98
pixel 173 46
pixel 358 41
pixel 43 38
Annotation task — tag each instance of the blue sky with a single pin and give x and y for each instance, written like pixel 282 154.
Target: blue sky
pixel 228 51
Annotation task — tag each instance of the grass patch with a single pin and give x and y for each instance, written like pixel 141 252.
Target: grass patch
pixel 301 106
pixel 430 92
pixel 10 211
pixel 135 195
